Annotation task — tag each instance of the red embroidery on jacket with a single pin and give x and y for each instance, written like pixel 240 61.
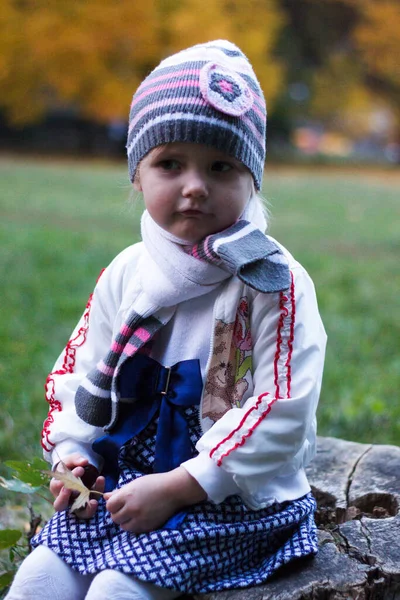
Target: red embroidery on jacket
pixel 242 422
pixel 282 317
pixel 67 367
pixel 288 308
pixel 291 338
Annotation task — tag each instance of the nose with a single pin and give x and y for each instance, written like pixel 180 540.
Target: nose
pixel 195 185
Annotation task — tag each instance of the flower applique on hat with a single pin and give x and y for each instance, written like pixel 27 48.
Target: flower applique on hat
pixel 225 90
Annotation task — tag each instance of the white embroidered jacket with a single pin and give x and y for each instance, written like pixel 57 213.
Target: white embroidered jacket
pixel 261 390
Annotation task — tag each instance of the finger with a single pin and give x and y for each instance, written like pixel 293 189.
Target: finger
pixel 75 460
pixel 55 487
pixel 92 507
pixel 115 504
pixel 78 471
pixel 122 519
pixel 98 487
pixel 100 484
pixel 62 500
pixel 88 511
pixel 129 526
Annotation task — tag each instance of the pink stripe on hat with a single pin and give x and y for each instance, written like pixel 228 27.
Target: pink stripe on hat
pixel 166 86
pixel 169 76
pixel 164 102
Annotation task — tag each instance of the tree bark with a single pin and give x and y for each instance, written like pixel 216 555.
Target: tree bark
pixel 357 488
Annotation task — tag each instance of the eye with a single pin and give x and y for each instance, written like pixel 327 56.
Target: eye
pixel 221 166
pixel 168 164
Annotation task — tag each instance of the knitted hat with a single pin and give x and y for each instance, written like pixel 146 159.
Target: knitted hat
pixel 208 94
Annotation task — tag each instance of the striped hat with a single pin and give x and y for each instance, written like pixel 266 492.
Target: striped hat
pixel 207 94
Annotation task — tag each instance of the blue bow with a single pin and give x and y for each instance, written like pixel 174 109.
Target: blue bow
pixel 145 388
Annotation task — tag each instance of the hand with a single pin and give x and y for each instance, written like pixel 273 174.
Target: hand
pixel 148 502
pixel 63 496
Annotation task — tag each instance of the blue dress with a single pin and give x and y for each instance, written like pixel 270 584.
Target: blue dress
pixel 210 547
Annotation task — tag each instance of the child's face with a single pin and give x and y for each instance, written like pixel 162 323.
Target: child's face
pixel 193 190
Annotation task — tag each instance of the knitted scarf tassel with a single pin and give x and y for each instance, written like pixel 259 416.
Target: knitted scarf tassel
pixel 93 399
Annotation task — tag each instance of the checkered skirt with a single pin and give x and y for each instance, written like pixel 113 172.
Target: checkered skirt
pixel 217 547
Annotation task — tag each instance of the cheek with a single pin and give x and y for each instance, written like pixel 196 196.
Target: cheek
pixel 235 204
pixel 158 208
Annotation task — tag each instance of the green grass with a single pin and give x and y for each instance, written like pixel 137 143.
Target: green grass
pixel 62 222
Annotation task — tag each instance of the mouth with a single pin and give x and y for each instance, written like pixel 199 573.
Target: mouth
pixel 192 213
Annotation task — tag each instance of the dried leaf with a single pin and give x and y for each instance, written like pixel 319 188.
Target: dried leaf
pixel 81 500
pixel 66 476
pixel 73 483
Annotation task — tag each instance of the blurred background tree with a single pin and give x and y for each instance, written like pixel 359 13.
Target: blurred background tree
pixel 93 53
pixel 88 53
pixel 331 65
pixel 342 59
pixel 362 66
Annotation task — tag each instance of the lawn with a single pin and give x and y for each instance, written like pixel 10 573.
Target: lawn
pixel 61 222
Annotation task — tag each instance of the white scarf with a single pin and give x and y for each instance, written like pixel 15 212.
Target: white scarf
pixel 169 275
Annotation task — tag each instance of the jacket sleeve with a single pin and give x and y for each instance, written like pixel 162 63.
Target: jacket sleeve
pixel 63 431
pixel 273 434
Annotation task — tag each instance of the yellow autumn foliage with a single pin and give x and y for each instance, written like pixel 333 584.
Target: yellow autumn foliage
pixel 363 75
pixel 91 54
pixel 378 39
pixel 251 24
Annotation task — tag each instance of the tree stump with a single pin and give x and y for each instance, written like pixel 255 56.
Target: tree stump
pixel 357 488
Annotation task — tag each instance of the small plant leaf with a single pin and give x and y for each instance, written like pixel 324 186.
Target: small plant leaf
pixel 30 471
pixel 35 463
pixel 15 485
pixel 9 537
pixel 6 579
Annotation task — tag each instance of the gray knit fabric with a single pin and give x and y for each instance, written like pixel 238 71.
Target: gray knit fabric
pixel 207 94
pixel 246 252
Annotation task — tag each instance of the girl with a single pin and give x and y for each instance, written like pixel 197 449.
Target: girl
pixel 192 380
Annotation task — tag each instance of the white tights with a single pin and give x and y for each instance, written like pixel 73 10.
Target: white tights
pixel 43 575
